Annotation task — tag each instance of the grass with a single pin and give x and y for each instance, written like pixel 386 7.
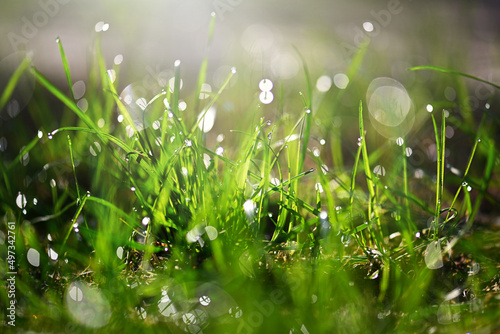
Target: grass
pixel 145 225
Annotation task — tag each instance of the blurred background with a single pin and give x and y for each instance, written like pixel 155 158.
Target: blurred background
pixel 260 39
pixel 260 35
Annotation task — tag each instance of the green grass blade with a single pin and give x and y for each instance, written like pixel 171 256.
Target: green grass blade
pixel 213 100
pixel 308 117
pixel 372 206
pixel 64 99
pixel 446 70
pixel 25 150
pixel 67 71
pixel 11 85
pixel 469 163
pixel 70 144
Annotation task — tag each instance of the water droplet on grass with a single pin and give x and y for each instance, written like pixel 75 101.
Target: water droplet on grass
pixel 118 59
pixel 78 89
pixel 266 97
pixel 95 148
pixel 21 201
pixel 212 232
pixel 3 144
pixel 207 120
pixel 400 141
pixel 249 208
pixel 52 254
pixel 33 257
pixel 265 85
pixel 145 221
pixel 119 252
pixel 111 75
pixel 379 170
pixel 101 122
pixel 368 26
pixel 219 150
pixel 429 108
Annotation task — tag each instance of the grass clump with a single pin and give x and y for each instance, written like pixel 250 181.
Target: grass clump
pixel 130 218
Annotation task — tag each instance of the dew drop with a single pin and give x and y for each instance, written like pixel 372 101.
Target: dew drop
pixel 118 59
pixel 40 134
pixel 266 97
pixel 308 111
pixel 145 221
pixel 265 85
pixel 379 170
pixel 400 141
pixel 21 201
pixel 95 148
pixel 429 108
pixel 52 254
pixel 101 122
pixel 33 257
pixel 368 26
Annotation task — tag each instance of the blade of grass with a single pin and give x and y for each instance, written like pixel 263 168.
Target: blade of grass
pixel 446 70
pixel 467 168
pixel 65 63
pixel 372 207
pixel 11 84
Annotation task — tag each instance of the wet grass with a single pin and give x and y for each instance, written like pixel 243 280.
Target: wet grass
pixel 300 224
